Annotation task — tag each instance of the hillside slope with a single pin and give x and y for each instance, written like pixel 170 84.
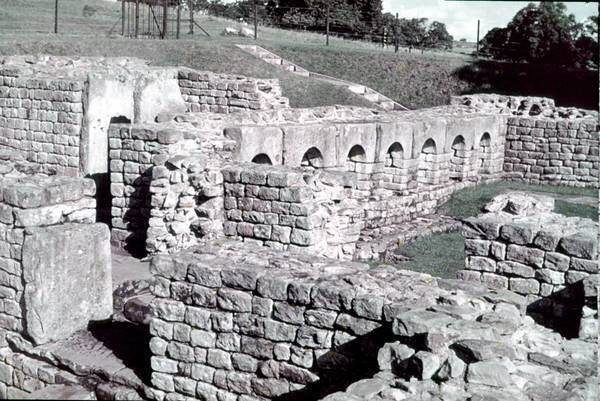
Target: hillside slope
pixel 413 79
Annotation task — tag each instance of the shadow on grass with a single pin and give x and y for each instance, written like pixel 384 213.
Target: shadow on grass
pixel 568 87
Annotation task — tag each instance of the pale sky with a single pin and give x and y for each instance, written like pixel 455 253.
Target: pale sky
pixel 461 17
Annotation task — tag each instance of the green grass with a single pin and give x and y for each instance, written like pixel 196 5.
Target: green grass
pixel 576 210
pixel 413 79
pixel 469 201
pixel 440 255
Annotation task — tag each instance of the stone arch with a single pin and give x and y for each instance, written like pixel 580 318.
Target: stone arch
pixel 313 158
pixel 484 154
pixel 394 155
pixel 262 158
pixel 458 158
pixel 356 156
pixel 427 163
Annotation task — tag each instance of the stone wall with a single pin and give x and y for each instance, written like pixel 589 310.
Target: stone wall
pixel 50 248
pixel 547 151
pixel 21 375
pixel 166 185
pixel 333 180
pixel 28 204
pixel 134 151
pixel 187 198
pixel 239 322
pixel 205 91
pixel 233 320
pixel 41 119
pixel 544 256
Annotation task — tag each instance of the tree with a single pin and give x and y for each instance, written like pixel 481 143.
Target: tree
pixel 412 32
pixel 542 33
pixel 495 43
pixel 438 37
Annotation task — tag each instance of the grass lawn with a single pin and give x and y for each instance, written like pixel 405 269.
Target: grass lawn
pixel 413 79
pixel 442 255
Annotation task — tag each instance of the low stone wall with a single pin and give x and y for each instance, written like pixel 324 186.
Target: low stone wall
pixel 273 207
pixel 544 256
pixel 231 321
pixel 205 91
pixel 557 152
pixel 41 119
pixel 241 322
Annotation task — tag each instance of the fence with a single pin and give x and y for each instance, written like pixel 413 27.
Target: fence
pixel 151 19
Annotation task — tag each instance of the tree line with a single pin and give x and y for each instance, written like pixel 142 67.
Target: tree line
pixel 359 19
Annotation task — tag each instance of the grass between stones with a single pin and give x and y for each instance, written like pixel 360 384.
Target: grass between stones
pixel 442 255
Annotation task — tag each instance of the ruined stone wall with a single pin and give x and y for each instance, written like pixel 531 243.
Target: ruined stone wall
pixel 41 119
pixel 241 322
pixel 273 207
pixel 543 256
pixel 556 152
pixel 188 198
pixel 39 217
pixel 205 91
pixel 21 375
pixel 234 320
pixel 29 203
pixel 134 151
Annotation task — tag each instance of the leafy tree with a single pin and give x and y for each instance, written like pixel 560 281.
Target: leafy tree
pixel 412 32
pixel 438 37
pixel 542 33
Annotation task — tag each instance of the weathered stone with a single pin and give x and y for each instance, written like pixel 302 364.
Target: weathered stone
pixel 62 392
pixel 489 373
pixel 58 262
pixel 392 354
pixel 482 350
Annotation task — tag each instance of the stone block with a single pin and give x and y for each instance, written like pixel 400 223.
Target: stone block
pixel 581 245
pixel 516 269
pixel 524 286
pixel 480 263
pixel 529 256
pixel 58 262
pixel 556 261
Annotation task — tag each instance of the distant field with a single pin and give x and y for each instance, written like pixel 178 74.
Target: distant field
pixel 413 79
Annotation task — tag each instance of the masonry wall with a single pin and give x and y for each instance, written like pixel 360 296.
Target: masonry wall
pixel 205 91
pixel 134 151
pixel 239 322
pixel 557 152
pixel 29 204
pixel 250 328
pixel 21 375
pixel 188 199
pixel 545 257
pixel 40 119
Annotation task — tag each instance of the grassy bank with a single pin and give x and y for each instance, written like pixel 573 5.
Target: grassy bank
pixel 413 79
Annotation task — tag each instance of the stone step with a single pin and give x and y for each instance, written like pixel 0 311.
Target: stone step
pixel 387 105
pixel 371 97
pixel 358 89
